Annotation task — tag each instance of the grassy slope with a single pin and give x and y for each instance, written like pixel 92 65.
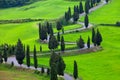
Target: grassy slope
pixel 108 14
pixel 46 9
pixel 27 32
pixel 102 65
pixel 14 74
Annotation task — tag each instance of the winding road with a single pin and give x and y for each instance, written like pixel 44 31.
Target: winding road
pixel 66 76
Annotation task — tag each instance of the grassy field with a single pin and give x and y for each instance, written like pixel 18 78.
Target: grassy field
pixel 107 14
pixel 7 73
pixel 28 33
pixel 45 9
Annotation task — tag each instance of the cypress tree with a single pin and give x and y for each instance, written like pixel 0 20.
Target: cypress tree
pixel 48 27
pixel 19 52
pixel 69 13
pixel 94 2
pixel 53 43
pixel 59 26
pixel 28 56
pixel 87 7
pixel 62 30
pixel 106 1
pixel 53 58
pixel 62 44
pixel 48 71
pixel 1 60
pixel 44 33
pixel 75 16
pixel 60 66
pixel 88 42
pixel 98 1
pixel 53 75
pixel 93 37
pixel 91 3
pixel 98 38
pixel 81 7
pixel 80 43
pixel 58 37
pixel 5 53
pixel 42 70
pixel 40 34
pixel 40 48
pixel 51 29
pixel 66 16
pixel 35 58
pixel 75 72
pixel 77 9
pixel 86 21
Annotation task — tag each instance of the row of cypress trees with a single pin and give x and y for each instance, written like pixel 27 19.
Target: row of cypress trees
pixel 53 43
pixel 78 9
pixel 96 39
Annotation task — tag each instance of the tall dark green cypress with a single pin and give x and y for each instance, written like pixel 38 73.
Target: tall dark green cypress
pixel 51 29
pixel 48 27
pixel 40 48
pixel 53 58
pixel 80 43
pixel 53 43
pixel 75 72
pixel 59 26
pixel 106 1
pixel 66 16
pixel 93 37
pixel 69 12
pixel 42 70
pixel 75 16
pixel 88 42
pixel 86 21
pixel 60 66
pixel 81 7
pixel 91 3
pixel 44 33
pixel 40 34
pixel 28 56
pixel 87 7
pixel 98 38
pixel 35 58
pixel 62 44
pixel 58 36
pixel 19 52
pixel 53 75
pixel 5 53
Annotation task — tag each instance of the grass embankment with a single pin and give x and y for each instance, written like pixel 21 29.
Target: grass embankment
pixel 7 73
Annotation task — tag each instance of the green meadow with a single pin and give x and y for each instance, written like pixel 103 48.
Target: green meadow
pixel 7 73
pixel 44 9
pixel 28 33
